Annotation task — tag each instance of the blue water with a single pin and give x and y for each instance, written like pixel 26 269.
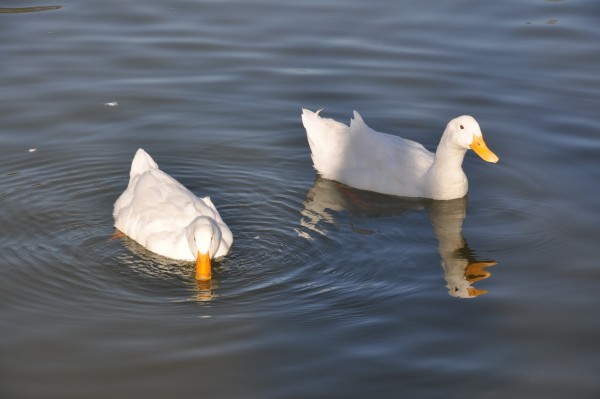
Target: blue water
pixel 328 292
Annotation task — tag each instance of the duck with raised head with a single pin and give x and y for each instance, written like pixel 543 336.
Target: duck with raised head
pixel 361 157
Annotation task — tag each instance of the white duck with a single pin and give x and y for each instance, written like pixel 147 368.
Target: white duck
pixel 165 217
pixel 359 156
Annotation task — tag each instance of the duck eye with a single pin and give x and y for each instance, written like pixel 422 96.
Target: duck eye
pixel 462 127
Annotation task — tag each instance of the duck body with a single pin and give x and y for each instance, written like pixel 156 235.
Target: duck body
pixel 359 156
pixel 166 218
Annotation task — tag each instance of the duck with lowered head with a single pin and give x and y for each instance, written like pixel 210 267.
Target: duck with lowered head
pixel 166 218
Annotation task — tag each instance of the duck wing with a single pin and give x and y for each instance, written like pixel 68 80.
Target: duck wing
pixel 384 163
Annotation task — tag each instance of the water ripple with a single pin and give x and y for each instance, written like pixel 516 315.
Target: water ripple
pixel 519 225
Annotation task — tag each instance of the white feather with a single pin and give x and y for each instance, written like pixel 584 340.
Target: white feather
pixel 160 213
pixel 361 157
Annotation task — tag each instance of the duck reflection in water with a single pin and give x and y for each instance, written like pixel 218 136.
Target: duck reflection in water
pixel 148 265
pixel 461 269
pixel 205 291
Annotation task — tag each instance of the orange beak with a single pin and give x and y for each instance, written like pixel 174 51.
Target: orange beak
pixel 478 145
pixel 473 292
pixel 476 271
pixel 203 270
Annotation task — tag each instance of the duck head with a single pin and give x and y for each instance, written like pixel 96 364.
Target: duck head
pixel 464 131
pixel 204 238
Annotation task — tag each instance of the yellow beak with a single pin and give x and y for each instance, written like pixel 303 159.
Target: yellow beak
pixel 203 270
pixel 478 145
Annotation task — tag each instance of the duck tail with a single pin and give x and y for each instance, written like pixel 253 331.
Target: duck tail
pixel 327 139
pixel 142 162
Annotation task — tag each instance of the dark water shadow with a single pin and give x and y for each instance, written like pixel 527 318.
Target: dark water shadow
pixel 461 268
pixel 21 10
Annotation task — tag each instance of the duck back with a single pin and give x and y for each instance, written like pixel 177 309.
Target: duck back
pixel 361 157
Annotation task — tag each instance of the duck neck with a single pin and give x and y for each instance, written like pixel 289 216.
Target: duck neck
pixel 446 177
pixel 449 157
